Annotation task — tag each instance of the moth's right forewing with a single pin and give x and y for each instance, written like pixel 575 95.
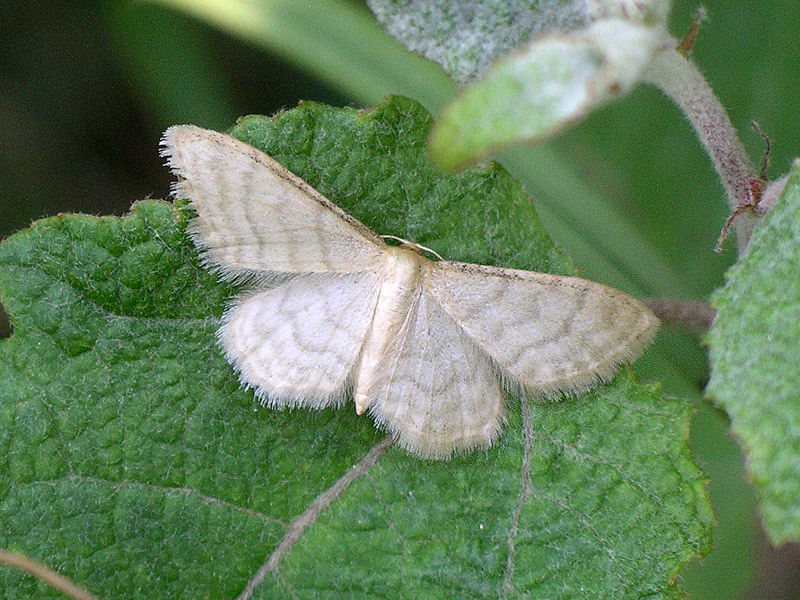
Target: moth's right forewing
pixel 255 217
pixel 547 333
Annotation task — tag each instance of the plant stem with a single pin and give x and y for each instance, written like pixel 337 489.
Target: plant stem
pixel 688 314
pixel 681 80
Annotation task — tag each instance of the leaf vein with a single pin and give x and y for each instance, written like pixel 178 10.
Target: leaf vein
pixel 308 516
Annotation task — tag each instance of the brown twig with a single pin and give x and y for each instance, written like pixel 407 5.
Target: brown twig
pixel 44 573
pixel 689 314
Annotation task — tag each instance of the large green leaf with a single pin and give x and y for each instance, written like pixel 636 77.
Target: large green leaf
pixel 135 464
pixel 755 353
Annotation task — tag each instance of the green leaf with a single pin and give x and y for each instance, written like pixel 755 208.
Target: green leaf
pixel 465 37
pixel 336 40
pixel 755 356
pixel 137 466
pixel 540 89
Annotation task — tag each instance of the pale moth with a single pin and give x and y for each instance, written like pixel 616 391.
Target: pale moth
pixel 427 346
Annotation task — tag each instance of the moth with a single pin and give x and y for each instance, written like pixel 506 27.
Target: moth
pixel 428 347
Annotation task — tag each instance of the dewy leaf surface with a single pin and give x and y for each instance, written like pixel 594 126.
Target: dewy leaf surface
pixel 755 352
pixel 136 465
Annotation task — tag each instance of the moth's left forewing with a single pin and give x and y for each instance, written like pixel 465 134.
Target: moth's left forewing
pixel 546 333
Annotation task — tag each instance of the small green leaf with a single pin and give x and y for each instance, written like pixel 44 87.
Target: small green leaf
pixel 136 465
pixel 542 88
pixel 755 353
